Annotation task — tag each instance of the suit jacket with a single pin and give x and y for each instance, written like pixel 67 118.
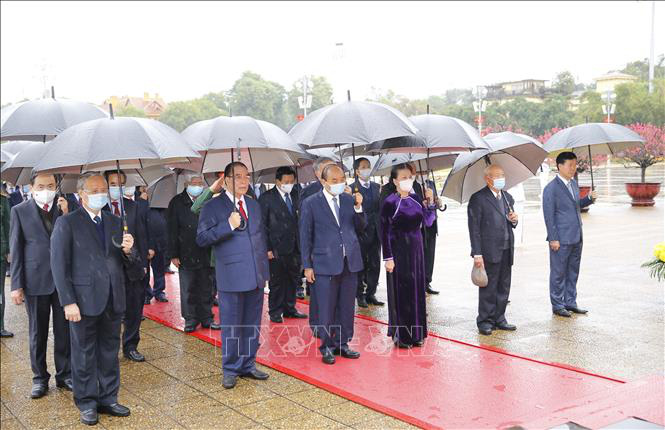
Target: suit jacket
pixel 137 224
pixel 562 212
pixel 15 198
pixel 371 200
pixel 241 257
pixel 31 249
pixel 86 271
pixel 4 227
pixel 280 226
pixel 157 229
pixel 182 226
pixel 418 189
pixel 322 240
pixel 486 222
pixel 310 190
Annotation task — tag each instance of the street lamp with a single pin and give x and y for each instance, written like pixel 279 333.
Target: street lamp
pixel 609 107
pixel 305 101
pixel 480 105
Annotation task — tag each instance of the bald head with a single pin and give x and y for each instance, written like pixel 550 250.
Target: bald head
pixel 495 177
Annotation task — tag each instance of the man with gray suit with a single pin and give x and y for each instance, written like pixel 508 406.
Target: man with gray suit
pixel 491 224
pixel 30 243
pixel 89 257
pixel 561 208
pixel 242 271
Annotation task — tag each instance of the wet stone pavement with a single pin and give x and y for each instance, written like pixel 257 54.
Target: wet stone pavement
pixel 179 386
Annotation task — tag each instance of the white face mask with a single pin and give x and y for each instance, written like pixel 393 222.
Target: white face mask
pixel 364 173
pixel 129 191
pixel 406 185
pixel 286 188
pixel 43 197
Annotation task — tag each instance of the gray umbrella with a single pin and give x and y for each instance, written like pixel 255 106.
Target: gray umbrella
pixel 437 162
pixel 445 133
pixel 161 191
pixel 19 169
pixel 594 139
pixel 5 157
pixel 14 146
pixel 519 161
pixel 42 120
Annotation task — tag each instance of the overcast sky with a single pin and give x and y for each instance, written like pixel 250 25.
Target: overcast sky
pixel 183 50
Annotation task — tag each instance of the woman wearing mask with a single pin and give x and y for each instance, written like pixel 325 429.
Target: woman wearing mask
pixel 402 215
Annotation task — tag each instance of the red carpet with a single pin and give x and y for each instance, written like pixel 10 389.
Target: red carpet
pixel 445 384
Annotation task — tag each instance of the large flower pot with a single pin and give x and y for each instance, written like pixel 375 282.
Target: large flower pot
pixel 584 191
pixel 643 193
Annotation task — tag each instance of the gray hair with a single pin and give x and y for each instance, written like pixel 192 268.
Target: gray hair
pixel 489 168
pixel 189 176
pixel 80 184
pixel 319 162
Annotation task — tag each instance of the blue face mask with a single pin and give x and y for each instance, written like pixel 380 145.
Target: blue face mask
pixel 194 190
pixel 26 189
pixel 337 189
pixel 114 192
pixel 97 201
pixel 499 183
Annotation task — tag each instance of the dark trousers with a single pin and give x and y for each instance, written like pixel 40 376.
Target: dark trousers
pixel 313 307
pixel 493 299
pixel 135 298
pixel 158 265
pixel 335 296
pixel 240 318
pixel 95 365
pixel 196 295
pixel 284 279
pixel 370 249
pixel 430 250
pixel 3 272
pixel 564 271
pixel 39 309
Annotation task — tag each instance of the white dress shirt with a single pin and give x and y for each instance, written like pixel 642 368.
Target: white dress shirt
pixel 329 198
pixel 567 183
pixel 92 214
pixel 364 183
pixel 244 205
pixel 283 194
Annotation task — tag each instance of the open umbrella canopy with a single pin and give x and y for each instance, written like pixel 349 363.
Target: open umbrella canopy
pixel 5 157
pixel 594 138
pixel 161 191
pixel 402 144
pixel 107 144
pixel 436 162
pixel 43 119
pixel 445 134
pixel 351 122
pixel 258 144
pixel 508 139
pixel 14 146
pixel 519 162
pixel 19 169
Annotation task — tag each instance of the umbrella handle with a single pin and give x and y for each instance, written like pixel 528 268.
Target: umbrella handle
pixel 593 187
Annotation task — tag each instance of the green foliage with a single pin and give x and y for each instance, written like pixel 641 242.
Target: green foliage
pixel 590 108
pixel 634 104
pixel 259 98
pixel 656 269
pixel 640 68
pixel 564 83
pixel 129 110
pixel 181 115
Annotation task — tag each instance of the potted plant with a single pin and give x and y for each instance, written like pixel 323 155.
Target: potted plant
pixel 652 152
pixel 657 265
pixel 583 166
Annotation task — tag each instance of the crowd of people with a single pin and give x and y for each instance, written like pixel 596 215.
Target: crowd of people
pixel 84 260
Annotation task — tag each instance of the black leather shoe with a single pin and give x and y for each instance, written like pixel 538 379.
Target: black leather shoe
pixel 562 313
pixel 134 355
pixel 147 301
pixel 429 290
pixel 402 345
pixel 162 299
pixel 89 417
pixel 576 310
pixel 229 381
pixel 115 409
pixel 347 353
pixel 295 314
pixel 362 303
pixel 256 374
pixel 372 300
pixel 65 385
pixel 5 333
pixel 190 327
pixel 485 331
pixel 328 357
pixel 506 327
pixel 38 391
pixel 276 319
pixel 215 326
pixel 418 343
pixel 300 294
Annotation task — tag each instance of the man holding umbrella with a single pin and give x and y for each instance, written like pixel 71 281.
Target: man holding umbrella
pixel 491 224
pixel 561 207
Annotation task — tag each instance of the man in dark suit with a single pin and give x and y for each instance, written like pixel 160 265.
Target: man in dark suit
pixel 241 263
pixel 136 217
pixel 255 191
pixel 19 195
pixel 330 222
pixel 4 254
pixel 280 223
pixel 157 235
pixel 310 190
pixel 370 244
pixel 89 273
pixel 30 241
pixel 491 224
pixel 192 260
pixel 561 207
pixel 429 233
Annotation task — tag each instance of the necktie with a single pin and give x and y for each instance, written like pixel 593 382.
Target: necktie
pixel 242 210
pixel 45 207
pixel 116 210
pixel 97 220
pixel 570 188
pixel 336 208
pixel 289 204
